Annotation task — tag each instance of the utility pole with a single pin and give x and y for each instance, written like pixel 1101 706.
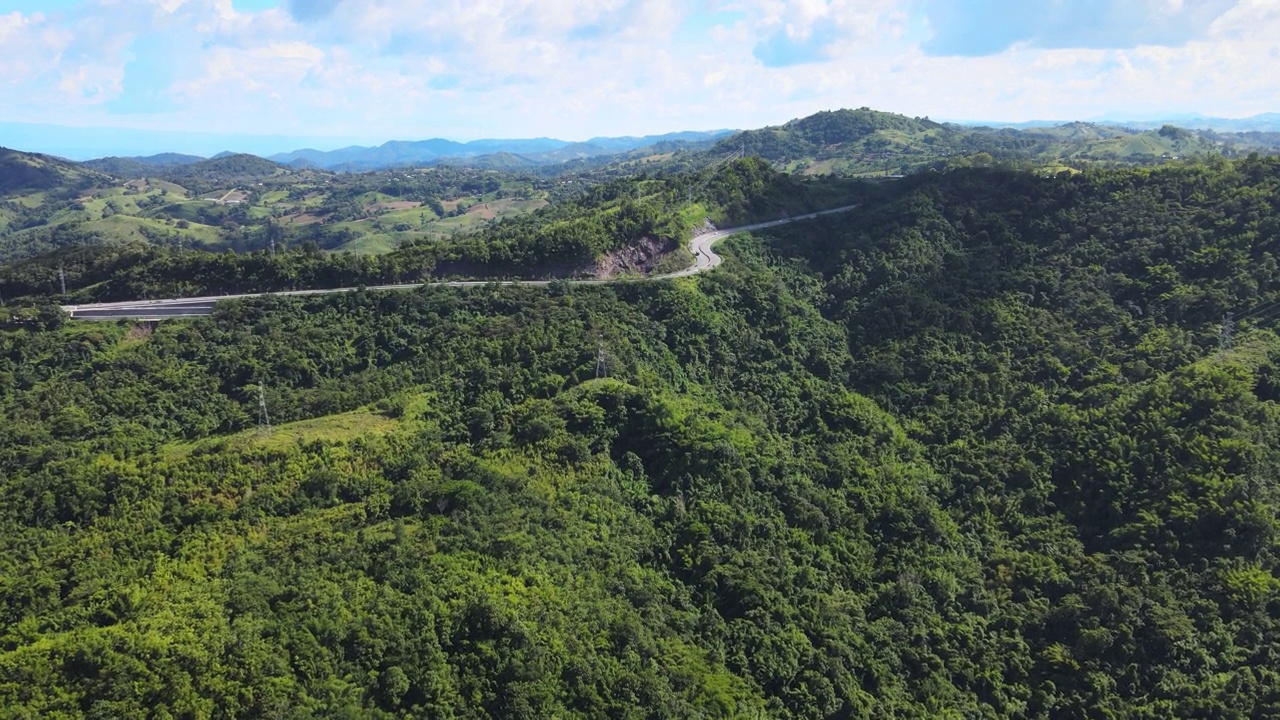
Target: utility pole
pixel 264 420
pixel 1228 330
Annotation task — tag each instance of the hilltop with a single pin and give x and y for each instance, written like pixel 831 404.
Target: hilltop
pixel 869 142
pixel 133 167
pixel 27 172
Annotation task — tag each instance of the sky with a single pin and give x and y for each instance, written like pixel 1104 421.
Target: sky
pixel 89 77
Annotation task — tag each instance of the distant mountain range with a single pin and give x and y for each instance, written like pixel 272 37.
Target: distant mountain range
pixel 861 141
pixel 536 151
pixel 137 166
pixel 497 154
pixel 1266 122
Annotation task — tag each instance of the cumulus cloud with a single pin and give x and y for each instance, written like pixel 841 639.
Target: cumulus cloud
pixel 468 68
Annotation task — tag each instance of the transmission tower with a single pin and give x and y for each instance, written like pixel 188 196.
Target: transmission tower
pixel 601 369
pixel 264 420
pixel 1228 330
pixel 62 280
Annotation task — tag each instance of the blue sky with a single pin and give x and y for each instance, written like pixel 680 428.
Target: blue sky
pixel 81 76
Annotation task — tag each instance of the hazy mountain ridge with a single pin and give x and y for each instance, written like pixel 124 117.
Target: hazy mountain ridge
pixel 400 153
pixel 140 166
pixel 1264 122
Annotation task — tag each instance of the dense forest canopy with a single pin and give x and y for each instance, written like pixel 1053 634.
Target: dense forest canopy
pixel 978 448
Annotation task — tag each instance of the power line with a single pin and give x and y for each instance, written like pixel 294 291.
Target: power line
pixel 1264 307
pixel 1269 313
pixel 1264 318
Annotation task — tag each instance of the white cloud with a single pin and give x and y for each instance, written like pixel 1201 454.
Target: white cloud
pixel 10 23
pixel 470 68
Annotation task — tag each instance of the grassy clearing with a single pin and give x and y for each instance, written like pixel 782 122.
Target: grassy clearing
pixel 126 227
pixel 332 428
pixel 188 210
pixel 462 202
pixel 372 244
pixel 414 216
pixel 822 167
pixel 372 198
pixel 377 235
pixel 693 216
pixel 173 188
pixel 31 201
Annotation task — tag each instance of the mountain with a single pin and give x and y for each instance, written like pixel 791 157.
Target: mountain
pixel 504 161
pixel 399 153
pixel 1266 122
pixel 220 172
pixel 139 166
pixel 812 134
pixel 869 142
pixel 20 171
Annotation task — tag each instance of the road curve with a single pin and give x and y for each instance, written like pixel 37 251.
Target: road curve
pixel 704 259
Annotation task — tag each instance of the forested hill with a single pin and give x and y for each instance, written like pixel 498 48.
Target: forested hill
pixel 21 171
pixel 972 450
pixel 869 142
pixel 817 133
pixel 140 167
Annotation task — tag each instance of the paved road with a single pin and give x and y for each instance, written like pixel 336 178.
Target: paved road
pixel 704 259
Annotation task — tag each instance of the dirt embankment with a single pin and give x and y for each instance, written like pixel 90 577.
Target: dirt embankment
pixel 706 227
pixel 638 259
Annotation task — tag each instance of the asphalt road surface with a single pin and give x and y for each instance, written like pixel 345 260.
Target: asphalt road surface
pixel 704 259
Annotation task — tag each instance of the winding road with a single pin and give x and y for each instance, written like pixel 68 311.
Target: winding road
pixel 704 259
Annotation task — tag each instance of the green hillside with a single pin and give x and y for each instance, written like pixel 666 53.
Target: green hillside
pixel 140 167
pixel 974 449
pixel 244 204
pixel 562 240
pixel 30 172
pixel 816 134
pixel 868 142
